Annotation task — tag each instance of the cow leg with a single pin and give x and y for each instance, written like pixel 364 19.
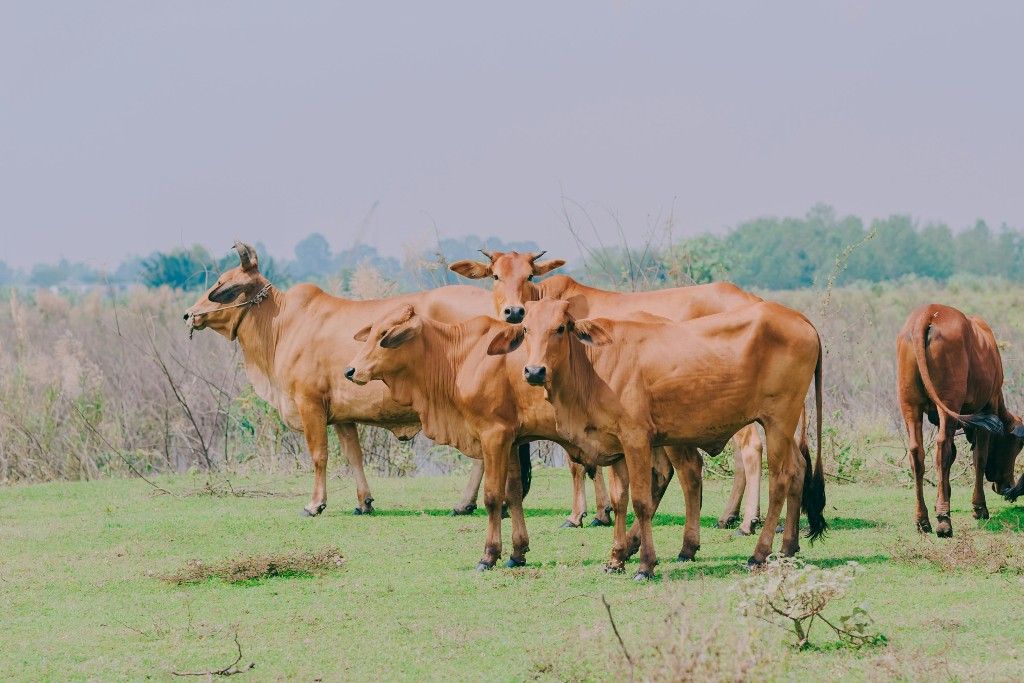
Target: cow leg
pixel 913 419
pixel 496 454
pixel 638 455
pixel 780 480
pixel 731 516
pixel 661 476
pixel 467 504
pixel 579 496
pixel 514 499
pixel 689 463
pixel 750 445
pixel 601 500
pixel 791 531
pixel 981 445
pixel 945 454
pixel 314 426
pixel 348 435
pixel 618 487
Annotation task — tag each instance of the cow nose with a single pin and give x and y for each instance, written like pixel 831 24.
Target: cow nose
pixel 514 314
pixel 185 317
pixel 350 373
pixel 535 374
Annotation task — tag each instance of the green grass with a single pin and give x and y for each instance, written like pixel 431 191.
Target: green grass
pixel 79 597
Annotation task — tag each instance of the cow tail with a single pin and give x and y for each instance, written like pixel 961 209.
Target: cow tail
pixel 525 467
pixel 816 487
pixel 986 421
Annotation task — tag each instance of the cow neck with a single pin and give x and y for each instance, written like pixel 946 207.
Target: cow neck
pixel 257 333
pixel 430 383
pixel 581 392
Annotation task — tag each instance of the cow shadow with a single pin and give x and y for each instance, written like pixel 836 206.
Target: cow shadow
pixel 736 565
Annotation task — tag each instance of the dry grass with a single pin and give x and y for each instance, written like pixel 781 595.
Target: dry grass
pixel 256 567
pixel 968 550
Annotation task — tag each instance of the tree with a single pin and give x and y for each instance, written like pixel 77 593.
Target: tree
pixel 313 256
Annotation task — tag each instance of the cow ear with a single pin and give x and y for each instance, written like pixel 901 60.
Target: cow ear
pixel 591 332
pixel 547 266
pixel 471 269
pixel 399 334
pixel 506 341
pixel 363 334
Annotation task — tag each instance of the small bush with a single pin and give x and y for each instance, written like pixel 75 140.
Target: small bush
pixel 790 593
pixel 257 567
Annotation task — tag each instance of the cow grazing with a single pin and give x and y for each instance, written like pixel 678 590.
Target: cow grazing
pixel 949 368
pixel 626 387
pixel 514 284
pixel 296 345
pixel 475 401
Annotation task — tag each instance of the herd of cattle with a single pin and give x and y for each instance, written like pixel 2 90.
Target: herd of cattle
pixel 635 382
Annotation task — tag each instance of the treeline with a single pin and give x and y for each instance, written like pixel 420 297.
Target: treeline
pixel 795 253
pixel 767 253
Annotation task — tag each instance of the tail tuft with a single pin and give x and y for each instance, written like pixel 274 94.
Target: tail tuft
pixel 525 467
pixel 986 421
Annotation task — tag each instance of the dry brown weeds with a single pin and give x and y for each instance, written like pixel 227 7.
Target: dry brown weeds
pixel 256 567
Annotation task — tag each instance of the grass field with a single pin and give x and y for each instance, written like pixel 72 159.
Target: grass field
pixel 80 598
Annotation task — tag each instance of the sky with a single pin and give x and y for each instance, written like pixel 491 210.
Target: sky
pixel 129 127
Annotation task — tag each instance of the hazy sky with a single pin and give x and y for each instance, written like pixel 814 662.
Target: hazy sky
pixel 135 126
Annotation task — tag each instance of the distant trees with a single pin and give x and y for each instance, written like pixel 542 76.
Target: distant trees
pixel 766 252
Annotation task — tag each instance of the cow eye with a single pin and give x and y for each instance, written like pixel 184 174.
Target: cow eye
pixel 495 277
pixel 530 278
pixel 561 329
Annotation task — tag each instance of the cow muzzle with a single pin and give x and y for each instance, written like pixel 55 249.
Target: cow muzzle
pixel 514 314
pixel 535 374
pixel 356 377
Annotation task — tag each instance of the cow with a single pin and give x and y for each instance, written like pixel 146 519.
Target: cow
pixel 514 274
pixel 473 400
pixel 625 387
pixel 296 345
pixel 948 367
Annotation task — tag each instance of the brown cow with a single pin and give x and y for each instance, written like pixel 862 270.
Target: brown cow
pixel 473 400
pixel 296 345
pixel 949 367
pixel 513 275
pixel 691 384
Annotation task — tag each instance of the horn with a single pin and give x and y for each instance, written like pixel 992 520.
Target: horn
pixel 246 254
pixel 488 254
pixel 536 255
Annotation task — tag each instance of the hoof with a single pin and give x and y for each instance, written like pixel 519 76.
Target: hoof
pixel 307 513
pixel 642 576
pixel 981 513
pixel 754 563
pixel 727 522
pixel 924 526
pixel 464 510
pixel 779 529
pixel 482 566
pixel 569 524
pixel 513 562
pixel 790 552
pixel 739 533
pixel 684 557
pixel 597 521
pixel 944 529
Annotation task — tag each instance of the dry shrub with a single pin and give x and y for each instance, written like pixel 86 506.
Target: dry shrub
pixel 688 646
pixel 256 567
pixel 969 550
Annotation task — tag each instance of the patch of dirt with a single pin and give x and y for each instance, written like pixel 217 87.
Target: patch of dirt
pixel 967 550
pixel 256 567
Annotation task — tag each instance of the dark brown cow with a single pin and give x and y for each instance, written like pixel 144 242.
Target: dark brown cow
pixel 625 387
pixel 513 276
pixel 949 368
pixel 476 402
pixel 296 345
